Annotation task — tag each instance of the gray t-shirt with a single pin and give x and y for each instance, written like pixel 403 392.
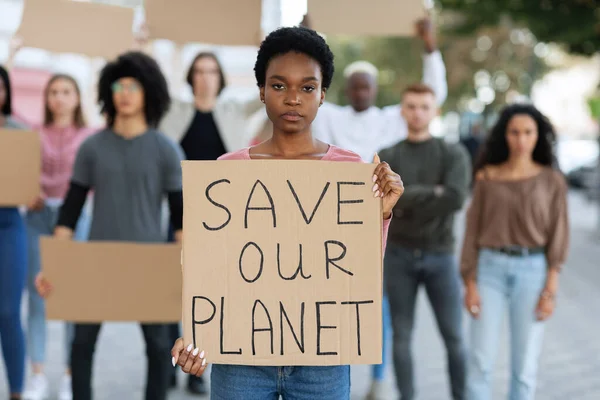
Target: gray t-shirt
pixel 130 178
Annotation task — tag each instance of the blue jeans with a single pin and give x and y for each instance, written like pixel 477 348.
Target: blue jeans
pixel 514 283
pixel 378 371
pixel 405 270
pixel 41 223
pixel 241 382
pixel 13 268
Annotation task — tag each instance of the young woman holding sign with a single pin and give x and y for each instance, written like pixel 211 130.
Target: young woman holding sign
pixel 13 267
pixel 293 70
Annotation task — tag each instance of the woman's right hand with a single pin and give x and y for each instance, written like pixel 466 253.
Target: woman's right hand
pixel 43 286
pixel 472 300
pixel 37 204
pixel 192 361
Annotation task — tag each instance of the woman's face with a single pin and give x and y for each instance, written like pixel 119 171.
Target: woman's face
pixel 206 78
pixel 62 97
pixel 292 92
pixel 2 94
pixel 521 135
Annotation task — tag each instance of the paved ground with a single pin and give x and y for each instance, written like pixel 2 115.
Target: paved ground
pixel 570 367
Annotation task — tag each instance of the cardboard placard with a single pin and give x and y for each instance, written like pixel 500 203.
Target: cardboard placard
pixel 223 22
pixel 282 262
pixel 65 26
pixel 20 167
pixel 369 18
pixel 112 281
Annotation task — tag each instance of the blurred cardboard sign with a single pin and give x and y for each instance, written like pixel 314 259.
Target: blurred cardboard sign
pixel 368 18
pixel 282 262
pixel 223 22
pixel 65 26
pixel 20 167
pixel 112 281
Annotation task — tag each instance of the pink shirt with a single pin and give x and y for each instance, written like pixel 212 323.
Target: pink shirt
pixel 59 148
pixel 333 154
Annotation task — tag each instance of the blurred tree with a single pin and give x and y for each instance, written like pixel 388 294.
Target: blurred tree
pixel 572 23
pixel 483 69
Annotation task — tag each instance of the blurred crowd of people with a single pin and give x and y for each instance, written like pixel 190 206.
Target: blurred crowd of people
pixel 123 183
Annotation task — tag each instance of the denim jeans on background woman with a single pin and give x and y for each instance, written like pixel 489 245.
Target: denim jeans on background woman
pixel 42 223
pixel 514 284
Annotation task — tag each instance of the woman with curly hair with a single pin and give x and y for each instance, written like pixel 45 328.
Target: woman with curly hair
pixel 515 243
pixel 131 167
pixel 293 69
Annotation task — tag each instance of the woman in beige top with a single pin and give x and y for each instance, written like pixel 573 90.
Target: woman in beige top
pixel 515 243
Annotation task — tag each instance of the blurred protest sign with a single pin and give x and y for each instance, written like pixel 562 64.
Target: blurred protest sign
pixel 20 167
pixel 112 281
pixel 65 26
pixel 369 18
pixel 223 22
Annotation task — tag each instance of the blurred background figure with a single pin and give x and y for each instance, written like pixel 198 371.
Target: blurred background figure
pixel 13 267
pixel 516 242
pixel 63 131
pixel 421 240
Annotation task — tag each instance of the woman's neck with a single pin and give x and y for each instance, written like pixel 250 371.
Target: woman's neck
pixel 205 103
pixel 521 166
pixel 62 121
pixel 130 127
pixel 299 145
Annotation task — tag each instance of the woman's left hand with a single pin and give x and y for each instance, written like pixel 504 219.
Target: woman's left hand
pixel 387 185
pixel 545 307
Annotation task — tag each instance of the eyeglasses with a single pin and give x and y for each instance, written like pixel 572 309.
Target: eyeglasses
pixel 118 87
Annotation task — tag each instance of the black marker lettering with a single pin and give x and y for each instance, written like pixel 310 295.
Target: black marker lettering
pixel 207 194
pixel 309 219
pixel 340 202
pixel 260 268
pixel 298 270
pixel 358 303
pixel 319 327
pixel 204 321
pixel 272 205
pixel 254 329
pixel 331 261
pixel 222 331
pixel 282 314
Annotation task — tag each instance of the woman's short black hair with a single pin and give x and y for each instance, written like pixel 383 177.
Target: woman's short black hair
pixel 299 40
pixel 206 54
pixel 7 106
pixel 145 70
pixel 495 150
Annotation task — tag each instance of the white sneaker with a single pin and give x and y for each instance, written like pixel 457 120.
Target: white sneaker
pixel 65 392
pixel 378 391
pixel 37 388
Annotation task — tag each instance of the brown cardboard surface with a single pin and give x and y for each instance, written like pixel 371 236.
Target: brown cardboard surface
pixel 359 17
pixel 65 26
pixel 223 22
pixel 20 167
pixel 219 295
pixel 110 281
